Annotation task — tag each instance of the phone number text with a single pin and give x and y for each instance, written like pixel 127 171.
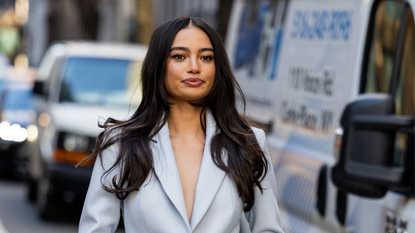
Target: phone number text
pixel 322 25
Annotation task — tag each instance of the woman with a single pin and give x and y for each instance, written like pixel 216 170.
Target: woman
pixel 186 161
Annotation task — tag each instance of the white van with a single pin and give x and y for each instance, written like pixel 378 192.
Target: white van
pixel 300 63
pixel 77 85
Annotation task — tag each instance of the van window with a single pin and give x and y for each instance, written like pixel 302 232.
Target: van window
pixel 260 34
pixel 383 46
pixel 18 99
pixel 99 81
pixel 385 28
pixel 405 96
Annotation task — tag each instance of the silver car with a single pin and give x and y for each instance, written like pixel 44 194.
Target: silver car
pixel 77 85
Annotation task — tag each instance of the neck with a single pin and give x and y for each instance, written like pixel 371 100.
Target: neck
pixel 184 121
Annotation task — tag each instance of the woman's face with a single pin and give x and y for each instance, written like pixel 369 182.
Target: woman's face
pixel 190 68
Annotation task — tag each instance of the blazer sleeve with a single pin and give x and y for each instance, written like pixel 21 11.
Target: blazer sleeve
pixel 264 215
pixel 101 211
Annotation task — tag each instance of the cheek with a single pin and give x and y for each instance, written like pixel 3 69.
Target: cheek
pixel 171 76
pixel 172 71
pixel 211 76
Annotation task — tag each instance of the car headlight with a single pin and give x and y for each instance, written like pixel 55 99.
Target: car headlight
pixel 74 142
pixel 32 133
pixel 14 132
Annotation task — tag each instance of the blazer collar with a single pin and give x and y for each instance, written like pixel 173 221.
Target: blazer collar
pixel 210 176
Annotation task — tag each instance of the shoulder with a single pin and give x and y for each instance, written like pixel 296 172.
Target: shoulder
pixel 109 153
pixel 259 134
pixel 111 135
pixel 261 138
pixel 110 139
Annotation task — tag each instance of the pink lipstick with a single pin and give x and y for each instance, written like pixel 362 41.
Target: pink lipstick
pixel 194 82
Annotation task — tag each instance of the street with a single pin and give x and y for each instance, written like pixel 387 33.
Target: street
pixel 18 215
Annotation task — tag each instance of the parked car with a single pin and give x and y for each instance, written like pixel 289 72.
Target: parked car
pixel 17 116
pixel 77 85
pixel 332 83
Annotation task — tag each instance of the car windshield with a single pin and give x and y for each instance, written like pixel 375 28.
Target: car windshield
pixel 100 81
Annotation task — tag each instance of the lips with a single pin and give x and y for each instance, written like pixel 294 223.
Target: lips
pixel 194 82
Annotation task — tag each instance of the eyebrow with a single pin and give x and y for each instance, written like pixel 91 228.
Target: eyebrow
pixel 188 50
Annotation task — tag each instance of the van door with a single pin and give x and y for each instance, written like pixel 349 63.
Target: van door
pixel 298 63
pixel 388 67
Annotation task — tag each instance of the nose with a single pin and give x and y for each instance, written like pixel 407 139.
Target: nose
pixel 193 66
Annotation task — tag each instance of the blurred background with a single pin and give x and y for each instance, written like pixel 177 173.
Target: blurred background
pixel 29 27
pixel 103 33
pixel 66 64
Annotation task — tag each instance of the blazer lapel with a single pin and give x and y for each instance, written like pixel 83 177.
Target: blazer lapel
pixel 166 170
pixel 210 177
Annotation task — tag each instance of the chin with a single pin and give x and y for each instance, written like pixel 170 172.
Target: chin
pixel 191 98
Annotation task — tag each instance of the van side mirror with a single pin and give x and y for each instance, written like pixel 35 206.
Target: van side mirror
pixel 38 88
pixel 365 165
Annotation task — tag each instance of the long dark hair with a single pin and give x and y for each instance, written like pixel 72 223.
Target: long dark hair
pixel 246 164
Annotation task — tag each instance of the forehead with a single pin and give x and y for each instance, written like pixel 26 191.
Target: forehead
pixel 192 36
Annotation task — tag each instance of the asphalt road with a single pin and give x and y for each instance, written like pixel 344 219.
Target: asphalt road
pixel 18 215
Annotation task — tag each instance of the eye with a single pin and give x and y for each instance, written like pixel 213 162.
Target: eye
pixel 178 57
pixel 206 58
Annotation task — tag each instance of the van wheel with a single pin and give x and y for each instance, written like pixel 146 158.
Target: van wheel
pixel 46 203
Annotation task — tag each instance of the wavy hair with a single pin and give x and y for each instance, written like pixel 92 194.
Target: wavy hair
pixel 246 163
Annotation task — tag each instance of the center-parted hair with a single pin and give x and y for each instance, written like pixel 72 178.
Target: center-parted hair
pixel 246 163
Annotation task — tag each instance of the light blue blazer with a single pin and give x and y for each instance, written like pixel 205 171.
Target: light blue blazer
pixel 159 206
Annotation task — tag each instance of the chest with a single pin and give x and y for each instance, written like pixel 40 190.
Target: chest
pixel 215 196
pixel 153 202
pixel 188 155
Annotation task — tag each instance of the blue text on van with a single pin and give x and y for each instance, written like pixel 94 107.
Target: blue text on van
pixel 322 25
